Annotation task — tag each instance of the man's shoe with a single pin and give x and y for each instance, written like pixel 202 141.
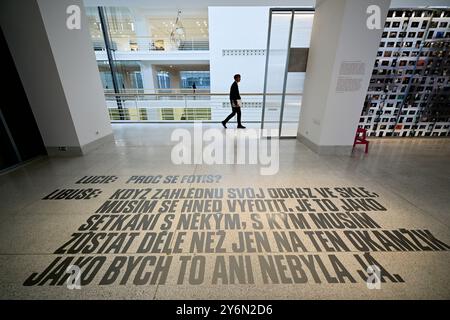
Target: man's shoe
pixel 224 124
pixel 241 127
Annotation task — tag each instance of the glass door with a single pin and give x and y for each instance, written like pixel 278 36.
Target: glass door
pixel 286 56
pixel 274 79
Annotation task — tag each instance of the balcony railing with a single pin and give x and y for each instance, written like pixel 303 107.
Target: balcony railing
pixel 125 43
pixel 208 107
pixel 187 91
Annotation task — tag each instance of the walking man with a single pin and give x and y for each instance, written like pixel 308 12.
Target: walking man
pixel 235 100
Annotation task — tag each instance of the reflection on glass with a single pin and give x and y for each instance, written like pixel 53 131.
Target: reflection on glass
pixel 276 66
pixel 301 36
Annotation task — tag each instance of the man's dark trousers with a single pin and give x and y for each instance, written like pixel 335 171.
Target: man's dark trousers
pixel 236 110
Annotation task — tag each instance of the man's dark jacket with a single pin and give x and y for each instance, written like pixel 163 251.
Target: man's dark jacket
pixel 234 94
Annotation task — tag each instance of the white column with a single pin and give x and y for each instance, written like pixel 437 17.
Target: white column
pixel 340 62
pixel 59 73
pixel 147 75
pixel 142 30
pixel 175 79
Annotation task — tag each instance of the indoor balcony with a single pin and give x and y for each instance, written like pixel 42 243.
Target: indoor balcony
pixel 127 47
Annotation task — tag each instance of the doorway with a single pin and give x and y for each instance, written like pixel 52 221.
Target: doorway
pixel 288 40
pixel 20 139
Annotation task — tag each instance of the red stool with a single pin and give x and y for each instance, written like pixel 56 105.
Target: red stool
pixel 361 138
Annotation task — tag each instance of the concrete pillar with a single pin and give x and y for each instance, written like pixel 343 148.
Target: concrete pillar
pixel 142 30
pixel 59 73
pixel 175 79
pixel 147 76
pixel 142 33
pixel 340 62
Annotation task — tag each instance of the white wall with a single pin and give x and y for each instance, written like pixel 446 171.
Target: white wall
pixel 237 28
pixel 78 71
pixel 59 73
pixel 328 117
pixel 246 28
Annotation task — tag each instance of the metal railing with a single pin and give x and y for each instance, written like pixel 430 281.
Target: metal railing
pixel 140 91
pixel 209 107
pixel 127 43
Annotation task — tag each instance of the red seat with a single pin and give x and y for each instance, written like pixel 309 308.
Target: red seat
pixel 361 138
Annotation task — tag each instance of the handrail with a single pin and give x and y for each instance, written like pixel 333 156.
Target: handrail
pixel 197 94
pixel 166 90
pixel 190 106
pixel 152 37
pixel 151 43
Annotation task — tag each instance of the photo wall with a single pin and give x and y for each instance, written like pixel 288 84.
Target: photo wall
pixel 409 91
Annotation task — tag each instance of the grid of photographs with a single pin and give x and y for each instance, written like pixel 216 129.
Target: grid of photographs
pixel 409 91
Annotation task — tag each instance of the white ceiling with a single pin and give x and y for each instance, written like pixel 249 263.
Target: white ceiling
pixel 195 4
pixel 188 5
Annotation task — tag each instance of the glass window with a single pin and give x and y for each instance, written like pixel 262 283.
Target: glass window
pixel 163 79
pixel 201 79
